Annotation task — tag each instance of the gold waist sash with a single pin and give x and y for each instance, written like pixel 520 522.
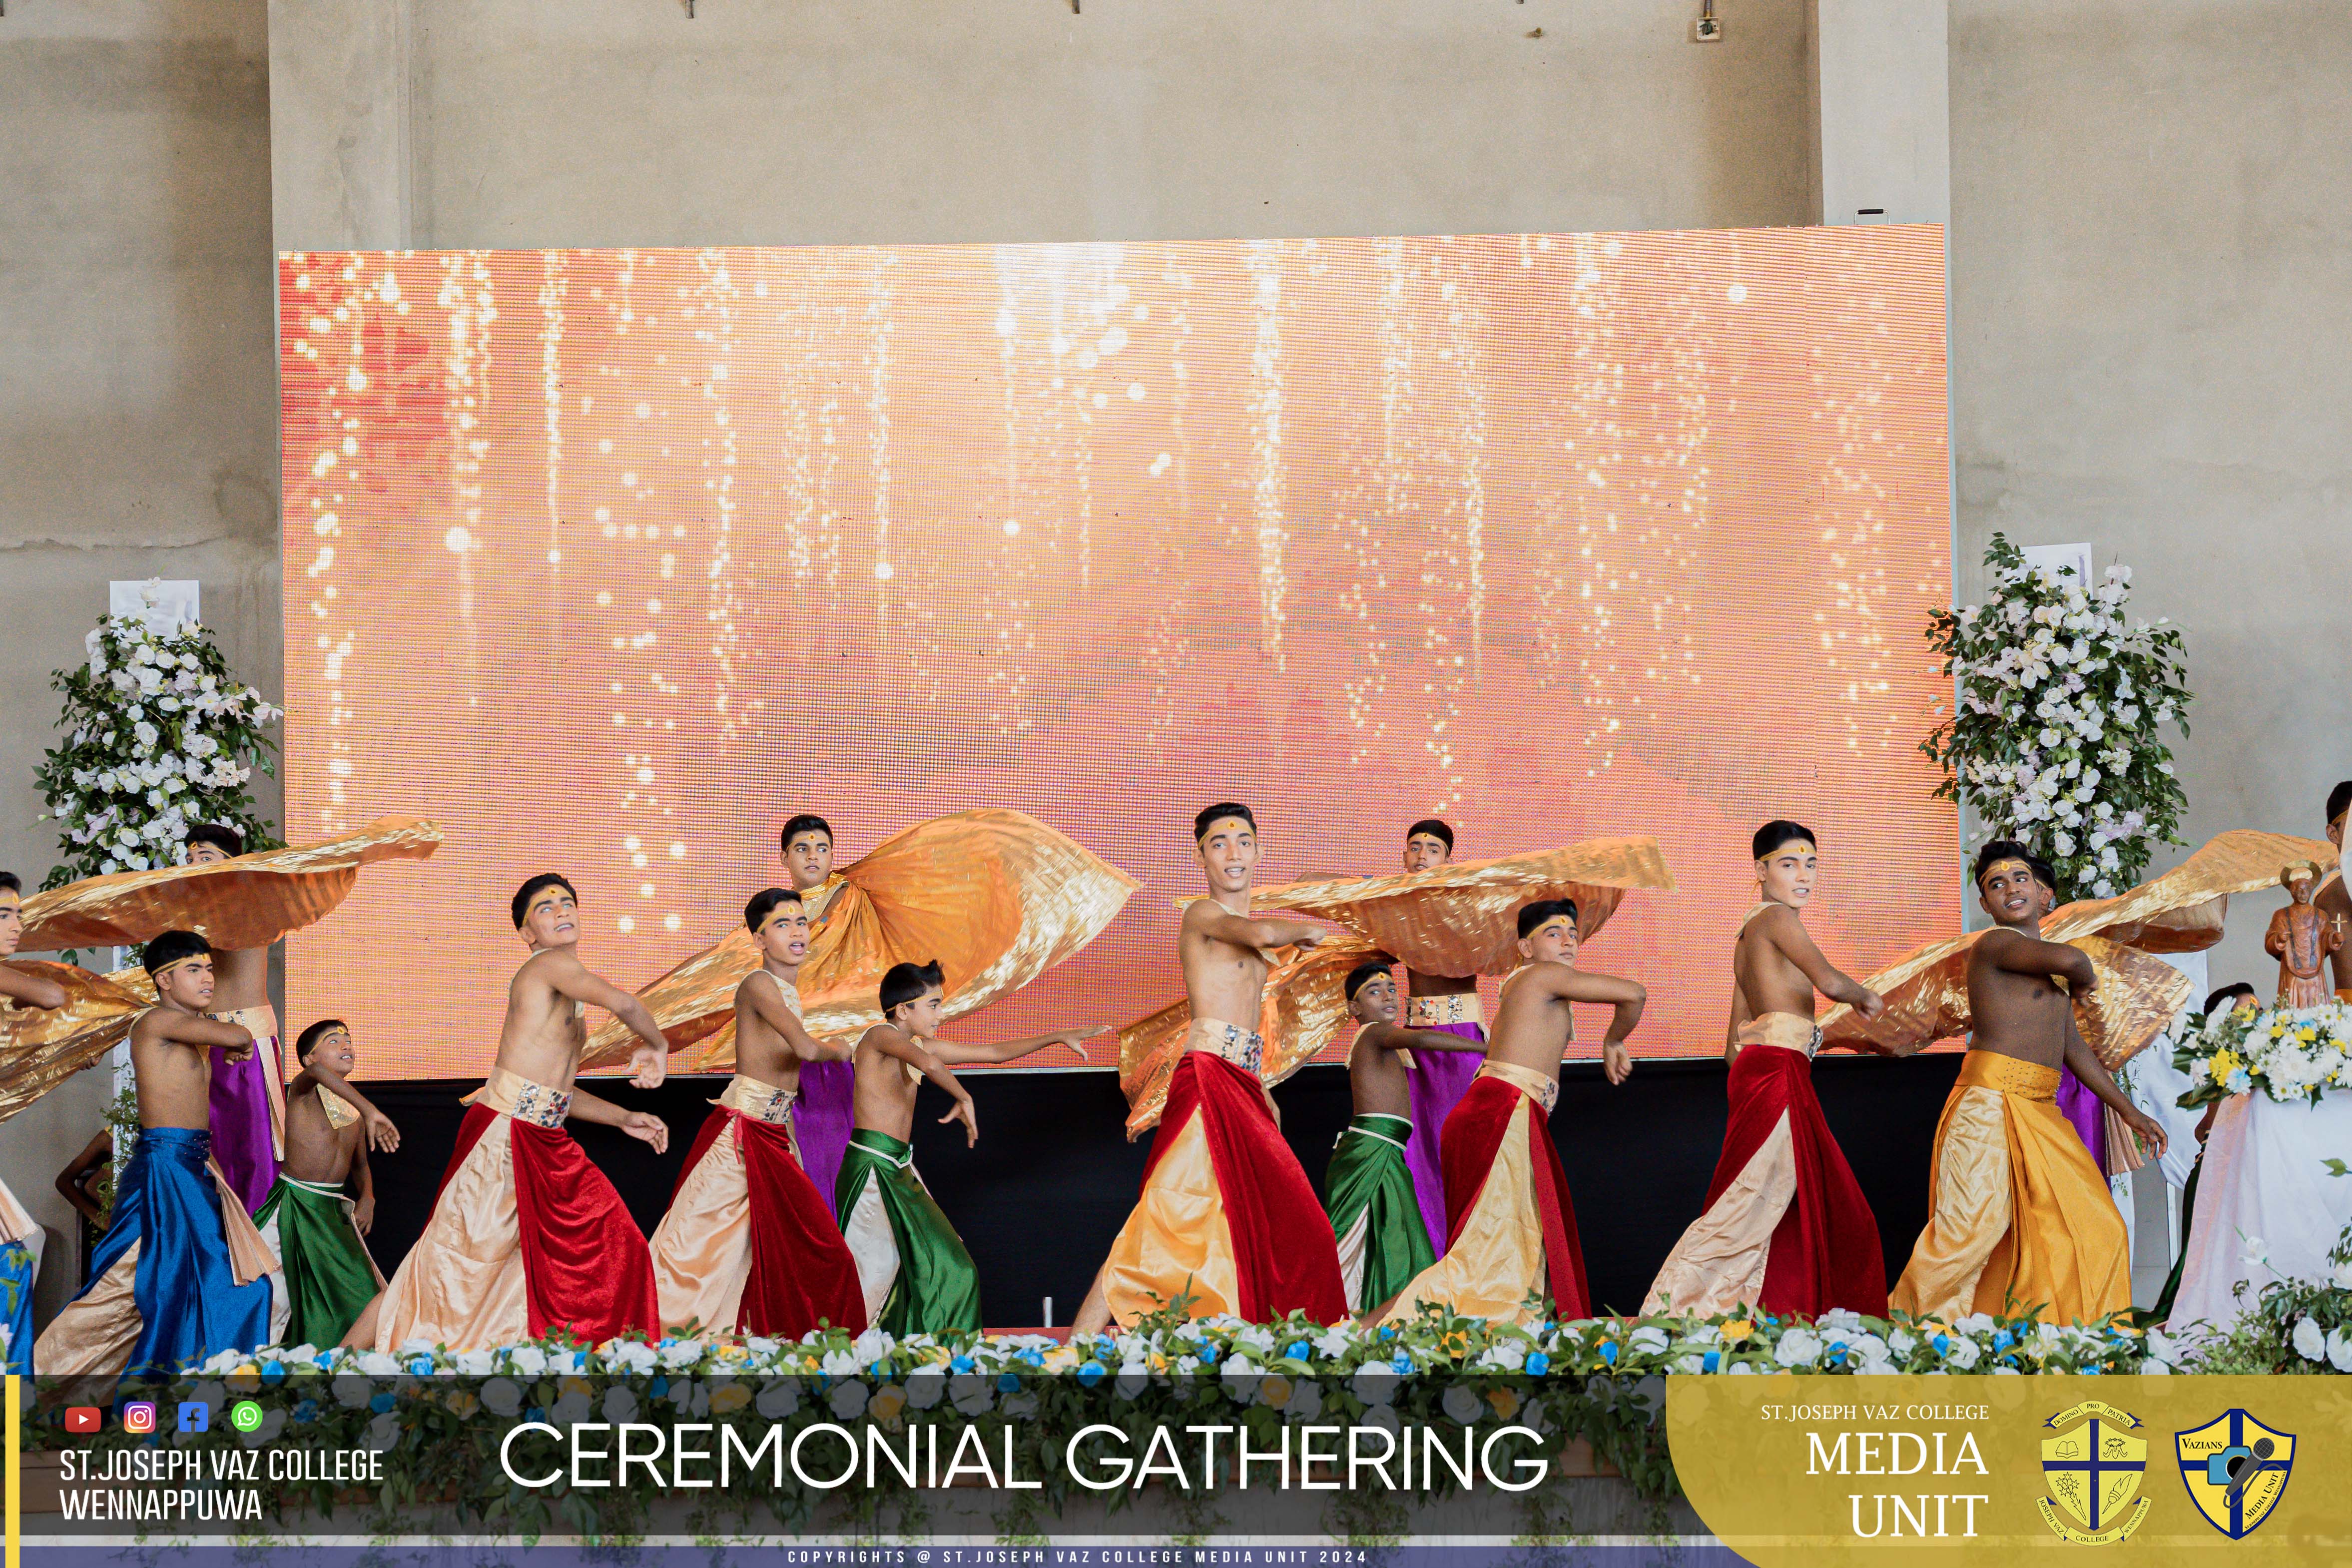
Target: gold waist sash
pixel 1543 1089
pixel 1436 1012
pixel 1235 1044
pixel 261 1022
pixel 1787 1031
pixel 512 1094
pixel 2008 1076
pixel 747 1096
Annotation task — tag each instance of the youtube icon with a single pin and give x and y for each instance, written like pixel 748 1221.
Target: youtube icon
pixel 82 1418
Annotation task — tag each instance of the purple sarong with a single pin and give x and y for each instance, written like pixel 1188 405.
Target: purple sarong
pixel 2085 1113
pixel 242 1145
pixel 822 1117
pixel 1437 1079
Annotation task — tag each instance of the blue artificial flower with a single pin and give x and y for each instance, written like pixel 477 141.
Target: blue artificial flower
pixel 1712 1361
pixel 1388 1331
pixel 883 1370
pixel 2092 1370
pixel 659 1386
pixel 668 1340
pixel 422 1367
pixel 1035 1358
pixel 1008 1383
pixel 1538 1364
pixel 326 1358
pixel 1295 1351
pixel 1771 1323
pixel 536 1413
pixel 1092 1373
pixel 381 1403
pixel 2002 1339
pixel 962 1364
pixel 306 1411
pixel 1608 1350
pixel 1837 1355
pixel 1209 1356
pixel 1942 1343
pixel 1402 1364
pixel 273 1372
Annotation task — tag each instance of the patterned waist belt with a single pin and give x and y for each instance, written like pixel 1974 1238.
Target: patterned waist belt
pixel 1235 1043
pixel 2007 1075
pixel 1543 1090
pixel 1787 1031
pixel 758 1102
pixel 1436 1012
pixel 512 1094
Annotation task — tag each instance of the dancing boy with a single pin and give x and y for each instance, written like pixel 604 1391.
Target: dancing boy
pixel 823 1114
pixel 749 1242
pixel 20 1235
pixel 915 1273
pixel 1368 1187
pixel 181 1273
pixel 320 1236
pixel 248 1095
pixel 1228 1218
pixel 1511 1250
pixel 527 1237
pixel 1786 1227
pixel 2020 1219
pixel 1447 1004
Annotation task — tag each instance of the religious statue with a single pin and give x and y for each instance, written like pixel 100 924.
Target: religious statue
pixel 2302 939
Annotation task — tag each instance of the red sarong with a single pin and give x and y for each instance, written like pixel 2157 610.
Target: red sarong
pixel 1491 1110
pixel 802 1271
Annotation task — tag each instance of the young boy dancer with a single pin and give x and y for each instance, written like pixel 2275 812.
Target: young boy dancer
pixel 1368 1189
pixel 20 1235
pixel 181 1273
pixel 749 1242
pixel 527 1237
pixel 320 1236
pixel 1511 1249
pixel 915 1273
pixel 1228 1218
pixel 1786 1227
pixel 248 1095
pixel 2020 1219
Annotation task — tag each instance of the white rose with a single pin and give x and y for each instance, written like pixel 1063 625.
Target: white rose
pixel 620 1404
pixel 1133 1379
pixel 2339 1350
pixel 870 1347
pixel 683 1356
pixel 2309 1343
pixel 1376 1383
pixel 528 1359
pixel 1306 1402
pixel 1463 1405
pixel 477 1362
pixel 1797 1348
pixel 351 1392
pixel 841 1363
pixel 847 1400
pixel 778 1399
pixel 501 1396
pixel 375 1364
pixel 925 1389
pixel 271 1425
pixel 971 1394
pixel 384 1431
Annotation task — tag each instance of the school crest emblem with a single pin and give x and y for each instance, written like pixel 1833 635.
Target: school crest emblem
pixel 2093 1463
pixel 2235 1470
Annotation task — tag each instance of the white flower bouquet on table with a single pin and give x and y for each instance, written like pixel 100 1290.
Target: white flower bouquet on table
pixel 2052 739
pixel 2292 1054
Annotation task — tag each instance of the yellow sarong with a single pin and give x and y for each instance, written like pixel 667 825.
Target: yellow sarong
pixel 2020 1219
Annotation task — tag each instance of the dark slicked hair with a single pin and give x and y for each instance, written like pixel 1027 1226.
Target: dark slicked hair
pixel 545 879
pixel 170 947
pixel 1434 829
pixel 222 837
pixel 1365 973
pixel 2214 1003
pixel 8 881
pixel 308 1040
pixel 1534 914
pixel 2338 799
pixel 2000 850
pixel 1778 831
pixel 1208 816
pixel 907 982
pixel 763 903
pixel 806 823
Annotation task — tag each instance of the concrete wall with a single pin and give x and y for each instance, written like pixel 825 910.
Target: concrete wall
pixel 2151 260
pixel 137 391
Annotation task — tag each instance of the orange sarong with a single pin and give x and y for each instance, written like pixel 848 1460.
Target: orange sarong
pixel 2020 1219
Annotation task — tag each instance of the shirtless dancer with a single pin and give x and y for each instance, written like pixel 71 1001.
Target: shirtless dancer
pixel 749 1242
pixel 319 1235
pixel 1188 1238
pixel 20 1237
pixel 527 1237
pixel 248 1095
pixel 1786 1227
pixel 1511 1250
pixel 1368 1189
pixel 2020 1219
pixel 180 1273
pixel 915 1274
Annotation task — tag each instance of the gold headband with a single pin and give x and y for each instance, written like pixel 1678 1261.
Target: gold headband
pixel 787 906
pixel 1788 847
pixel 178 964
pixel 2009 860
pixel 1555 920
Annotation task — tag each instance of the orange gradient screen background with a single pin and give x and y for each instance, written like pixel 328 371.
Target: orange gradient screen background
pixel 610 561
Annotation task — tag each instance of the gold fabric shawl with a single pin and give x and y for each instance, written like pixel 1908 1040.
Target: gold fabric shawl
pixel 1927 990
pixel 41 1048
pixel 1456 919
pixel 996 896
pixel 250 901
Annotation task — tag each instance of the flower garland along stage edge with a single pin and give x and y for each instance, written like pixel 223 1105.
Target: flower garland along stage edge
pixel 440 1418
pixel 2053 737
pixel 163 736
pixel 2292 1054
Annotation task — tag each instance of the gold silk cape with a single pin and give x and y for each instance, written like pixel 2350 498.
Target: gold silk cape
pixel 41 1048
pixel 1456 919
pixel 250 901
pixel 996 896
pixel 1927 990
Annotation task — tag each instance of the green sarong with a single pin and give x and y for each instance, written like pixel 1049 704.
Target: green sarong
pixel 329 1276
pixel 1375 1211
pixel 917 1276
pixel 2163 1308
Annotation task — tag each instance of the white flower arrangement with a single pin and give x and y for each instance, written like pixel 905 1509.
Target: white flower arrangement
pixel 2292 1054
pixel 163 736
pixel 2053 738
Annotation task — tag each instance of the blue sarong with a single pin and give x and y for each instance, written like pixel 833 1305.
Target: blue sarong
pixel 17 1266
pixel 189 1304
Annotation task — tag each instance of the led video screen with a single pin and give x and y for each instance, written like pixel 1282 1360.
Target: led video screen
pixel 610 561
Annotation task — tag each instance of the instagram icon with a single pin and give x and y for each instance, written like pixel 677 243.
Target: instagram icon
pixel 138 1416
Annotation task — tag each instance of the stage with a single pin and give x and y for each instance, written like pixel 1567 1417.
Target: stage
pixel 1051 1180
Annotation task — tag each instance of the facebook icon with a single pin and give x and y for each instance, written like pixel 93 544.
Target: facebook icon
pixel 195 1416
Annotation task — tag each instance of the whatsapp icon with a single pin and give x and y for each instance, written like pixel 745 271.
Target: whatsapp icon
pixel 245 1415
